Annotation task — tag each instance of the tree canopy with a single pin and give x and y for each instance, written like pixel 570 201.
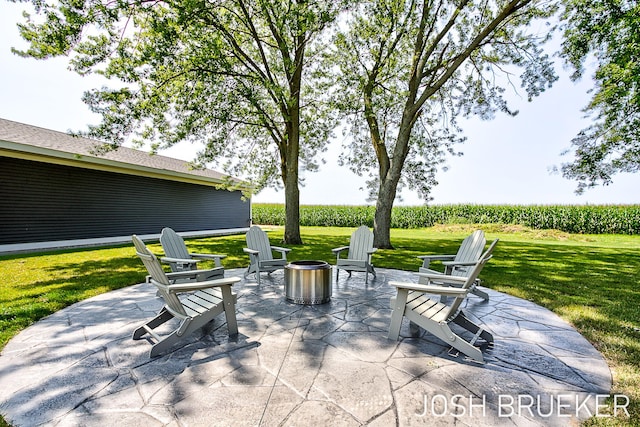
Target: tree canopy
pixel 226 74
pixel 607 31
pixel 407 69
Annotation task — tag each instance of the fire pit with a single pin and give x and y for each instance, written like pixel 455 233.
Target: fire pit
pixel 307 282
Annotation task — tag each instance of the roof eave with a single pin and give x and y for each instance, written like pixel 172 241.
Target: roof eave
pixel 47 155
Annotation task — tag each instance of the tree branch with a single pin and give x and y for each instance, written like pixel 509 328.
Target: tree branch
pixel 512 7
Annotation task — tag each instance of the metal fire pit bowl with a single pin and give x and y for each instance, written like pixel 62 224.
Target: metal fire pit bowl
pixel 307 282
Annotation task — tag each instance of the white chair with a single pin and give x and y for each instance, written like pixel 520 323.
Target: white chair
pixel 413 302
pixel 260 253
pixel 359 255
pixel 461 263
pixel 195 303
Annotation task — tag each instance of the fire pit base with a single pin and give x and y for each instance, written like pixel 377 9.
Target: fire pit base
pixel 307 282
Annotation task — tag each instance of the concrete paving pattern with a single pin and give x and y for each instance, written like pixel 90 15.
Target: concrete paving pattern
pixel 299 365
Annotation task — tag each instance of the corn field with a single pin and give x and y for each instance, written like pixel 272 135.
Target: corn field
pixel 596 219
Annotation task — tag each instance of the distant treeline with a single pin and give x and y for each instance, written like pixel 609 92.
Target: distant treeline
pixel 602 219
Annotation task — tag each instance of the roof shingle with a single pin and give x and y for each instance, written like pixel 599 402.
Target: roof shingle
pixel 33 136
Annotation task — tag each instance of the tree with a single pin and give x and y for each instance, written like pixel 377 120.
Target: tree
pixel 227 72
pixel 409 68
pixel 610 31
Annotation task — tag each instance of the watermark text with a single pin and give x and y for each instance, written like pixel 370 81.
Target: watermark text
pixel 524 405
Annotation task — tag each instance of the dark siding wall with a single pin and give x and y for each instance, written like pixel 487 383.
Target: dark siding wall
pixel 44 202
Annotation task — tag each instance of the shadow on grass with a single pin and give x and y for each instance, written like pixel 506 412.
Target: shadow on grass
pixel 25 302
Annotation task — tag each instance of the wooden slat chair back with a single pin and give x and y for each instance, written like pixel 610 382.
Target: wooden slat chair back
pixel 434 316
pixel 157 276
pixel 173 244
pixel 180 259
pixel 258 240
pixel 359 253
pixel 468 253
pixel 194 304
pixel 260 253
pixel 462 262
pixel 361 243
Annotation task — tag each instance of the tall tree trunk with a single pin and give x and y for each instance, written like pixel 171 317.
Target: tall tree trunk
pixel 292 209
pixel 382 218
pixel 386 193
pixel 291 188
pixel 390 173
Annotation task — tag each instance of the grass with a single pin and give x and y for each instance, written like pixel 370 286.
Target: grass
pixel 589 280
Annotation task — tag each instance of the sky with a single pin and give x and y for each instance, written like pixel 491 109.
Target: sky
pixel 506 160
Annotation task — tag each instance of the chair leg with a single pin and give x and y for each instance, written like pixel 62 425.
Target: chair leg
pixel 398 313
pixel 229 309
pixel 253 267
pixel 466 348
pixel 480 293
pixel 162 317
pixel 444 332
pixel 369 269
pixel 461 320
pixel 166 343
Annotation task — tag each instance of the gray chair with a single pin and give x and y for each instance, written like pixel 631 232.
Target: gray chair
pixel 413 302
pixel 260 253
pixel 194 303
pixel 461 263
pixel 359 255
pixel 180 259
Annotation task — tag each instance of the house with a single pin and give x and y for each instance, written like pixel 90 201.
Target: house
pixel 54 192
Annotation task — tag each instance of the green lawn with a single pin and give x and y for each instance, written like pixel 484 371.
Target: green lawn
pixel 592 281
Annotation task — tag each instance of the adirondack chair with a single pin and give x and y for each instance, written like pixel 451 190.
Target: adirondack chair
pixel 260 253
pixel 194 303
pixel 180 259
pixel 459 264
pixel 413 302
pixel 359 255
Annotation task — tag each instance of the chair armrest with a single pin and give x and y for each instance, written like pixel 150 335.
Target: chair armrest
pixel 426 259
pixel 180 260
pixel 340 249
pixel 422 270
pixel 279 249
pixel 437 257
pixel 251 251
pixel 460 264
pixel 194 286
pixel 189 273
pixel 208 256
pixel 215 257
pixel 283 251
pixel 372 251
pixel 439 290
pixel 442 278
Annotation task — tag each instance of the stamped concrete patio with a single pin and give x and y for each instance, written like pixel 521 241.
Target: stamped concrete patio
pixel 297 365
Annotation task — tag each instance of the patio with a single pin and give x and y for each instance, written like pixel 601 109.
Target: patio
pixel 298 365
